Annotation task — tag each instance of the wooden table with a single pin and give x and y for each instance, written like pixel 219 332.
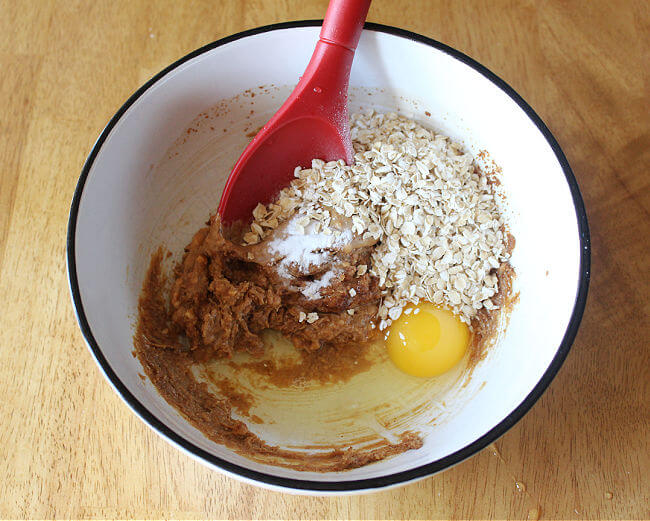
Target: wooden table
pixel 69 447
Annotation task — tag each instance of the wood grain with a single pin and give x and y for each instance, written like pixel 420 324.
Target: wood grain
pixel 70 448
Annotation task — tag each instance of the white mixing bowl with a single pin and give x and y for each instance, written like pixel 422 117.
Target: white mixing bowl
pixel 143 186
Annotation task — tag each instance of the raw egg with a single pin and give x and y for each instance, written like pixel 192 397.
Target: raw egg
pixel 427 341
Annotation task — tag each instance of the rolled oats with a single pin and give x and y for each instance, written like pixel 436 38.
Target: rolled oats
pixel 432 210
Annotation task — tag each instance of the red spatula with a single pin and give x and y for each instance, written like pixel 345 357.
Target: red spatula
pixel 312 123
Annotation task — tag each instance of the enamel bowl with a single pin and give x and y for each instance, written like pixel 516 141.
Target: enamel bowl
pixel 156 174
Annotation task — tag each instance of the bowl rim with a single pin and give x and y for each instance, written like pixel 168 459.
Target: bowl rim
pixel 366 484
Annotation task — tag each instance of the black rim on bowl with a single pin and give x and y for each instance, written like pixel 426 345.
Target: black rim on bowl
pixel 360 484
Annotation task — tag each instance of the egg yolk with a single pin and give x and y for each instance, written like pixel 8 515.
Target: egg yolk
pixel 427 341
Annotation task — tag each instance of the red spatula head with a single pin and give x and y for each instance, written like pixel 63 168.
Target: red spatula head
pixel 312 123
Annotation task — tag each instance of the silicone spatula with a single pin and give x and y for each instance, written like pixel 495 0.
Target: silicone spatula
pixel 312 122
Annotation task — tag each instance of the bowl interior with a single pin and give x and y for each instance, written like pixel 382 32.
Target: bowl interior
pixel 153 182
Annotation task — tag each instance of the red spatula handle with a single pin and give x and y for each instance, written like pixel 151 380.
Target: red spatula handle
pixel 312 123
pixel 343 22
